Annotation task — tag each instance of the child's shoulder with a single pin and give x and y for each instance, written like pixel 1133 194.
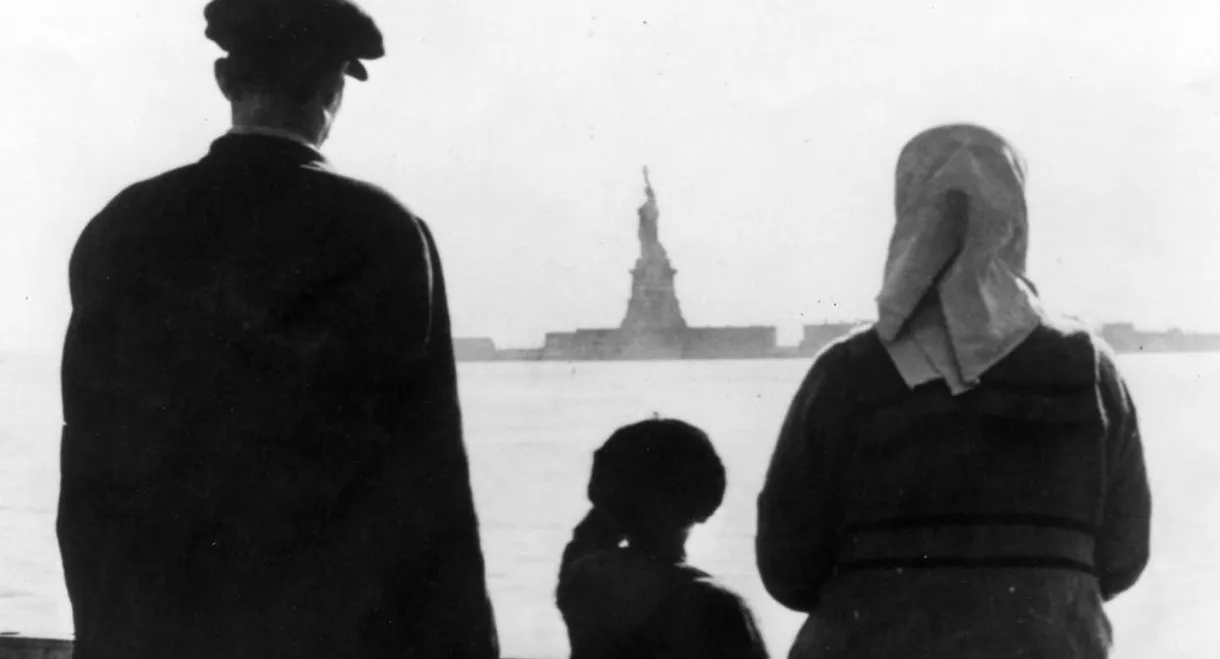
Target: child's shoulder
pixel 613 588
pixel 614 570
pixel 611 577
pixel 620 594
pixel 704 589
pixel 718 618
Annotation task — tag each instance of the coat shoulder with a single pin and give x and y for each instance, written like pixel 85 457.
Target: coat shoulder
pixel 117 214
pixel 351 189
pixel 1061 351
pixel 160 185
pixel 858 356
pixel 861 341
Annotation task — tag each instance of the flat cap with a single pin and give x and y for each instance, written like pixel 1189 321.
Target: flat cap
pixel 338 28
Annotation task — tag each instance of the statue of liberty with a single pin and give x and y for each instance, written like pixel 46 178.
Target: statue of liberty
pixel 650 243
pixel 653 305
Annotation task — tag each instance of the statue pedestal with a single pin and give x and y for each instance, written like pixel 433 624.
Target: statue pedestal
pixel 653 304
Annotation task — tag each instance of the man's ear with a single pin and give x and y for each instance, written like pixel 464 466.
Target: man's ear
pixel 226 79
pixel 332 92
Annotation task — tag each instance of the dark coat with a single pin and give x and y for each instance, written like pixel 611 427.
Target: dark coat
pixel 262 454
pixel 625 604
pixel 911 523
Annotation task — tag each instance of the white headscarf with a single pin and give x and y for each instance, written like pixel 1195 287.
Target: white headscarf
pixel 955 299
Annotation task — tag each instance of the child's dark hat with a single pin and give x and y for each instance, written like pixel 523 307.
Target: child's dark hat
pixel 658 466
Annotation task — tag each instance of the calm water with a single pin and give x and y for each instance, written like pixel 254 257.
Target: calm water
pixel 531 429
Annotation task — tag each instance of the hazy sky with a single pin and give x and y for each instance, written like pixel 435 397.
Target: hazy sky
pixel 517 131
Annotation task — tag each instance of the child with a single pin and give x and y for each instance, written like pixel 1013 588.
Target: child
pixel 625 590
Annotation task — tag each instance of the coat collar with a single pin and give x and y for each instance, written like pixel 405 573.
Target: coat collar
pixel 266 145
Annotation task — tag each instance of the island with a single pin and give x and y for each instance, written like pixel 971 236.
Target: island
pixel 653 326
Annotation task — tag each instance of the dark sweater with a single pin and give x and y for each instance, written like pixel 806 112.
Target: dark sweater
pixel 262 454
pixel 911 523
pixel 625 604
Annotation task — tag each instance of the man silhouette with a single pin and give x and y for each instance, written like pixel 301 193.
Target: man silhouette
pixel 262 451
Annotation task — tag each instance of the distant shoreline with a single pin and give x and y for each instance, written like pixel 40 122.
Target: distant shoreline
pixel 616 345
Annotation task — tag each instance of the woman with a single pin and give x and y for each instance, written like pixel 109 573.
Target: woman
pixel 625 590
pixel 965 478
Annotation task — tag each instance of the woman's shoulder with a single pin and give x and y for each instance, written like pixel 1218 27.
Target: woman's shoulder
pixel 1061 351
pixel 858 341
pixel 856 362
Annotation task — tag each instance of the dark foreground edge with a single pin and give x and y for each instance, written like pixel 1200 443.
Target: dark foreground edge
pixel 24 647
